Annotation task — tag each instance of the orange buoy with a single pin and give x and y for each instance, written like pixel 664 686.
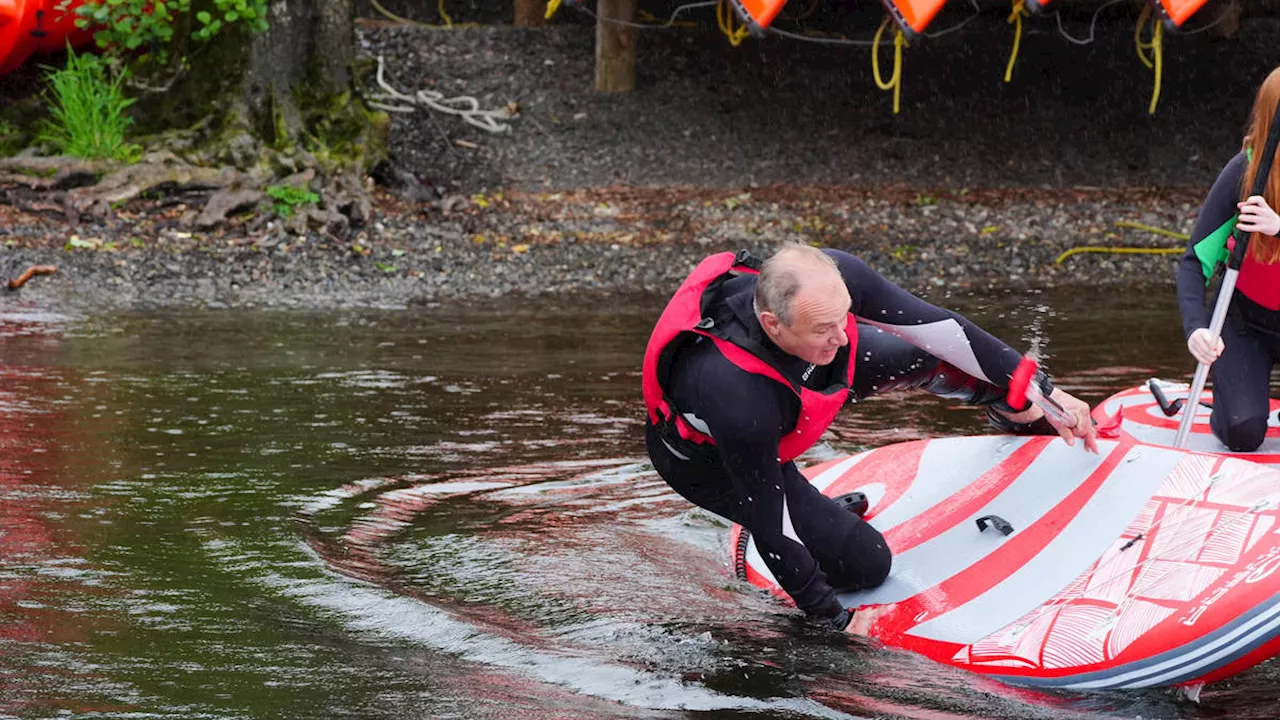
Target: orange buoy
pixel 759 14
pixel 1177 11
pixel 913 16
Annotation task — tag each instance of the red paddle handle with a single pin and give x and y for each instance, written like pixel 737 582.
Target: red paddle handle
pixel 1021 386
pixel 1020 381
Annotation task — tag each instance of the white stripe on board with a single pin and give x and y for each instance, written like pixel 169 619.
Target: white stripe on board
pixel 1080 543
pixel 947 465
pixel 1054 474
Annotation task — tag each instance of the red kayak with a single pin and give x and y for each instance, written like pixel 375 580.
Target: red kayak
pixel 1041 564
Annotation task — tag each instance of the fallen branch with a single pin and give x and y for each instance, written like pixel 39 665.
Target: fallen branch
pixel 31 272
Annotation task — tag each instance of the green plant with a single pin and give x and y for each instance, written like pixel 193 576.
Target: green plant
pixel 148 25
pixel 88 104
pixel 288 198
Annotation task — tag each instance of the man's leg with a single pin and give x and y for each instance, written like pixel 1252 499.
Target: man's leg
pixel 699 476
pixel 852 554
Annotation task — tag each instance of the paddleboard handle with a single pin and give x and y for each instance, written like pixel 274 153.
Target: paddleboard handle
pixel 1168 408
pixel 1022 387
pixel 996 522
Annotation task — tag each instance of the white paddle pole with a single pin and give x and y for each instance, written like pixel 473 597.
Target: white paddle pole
pixel 1192 404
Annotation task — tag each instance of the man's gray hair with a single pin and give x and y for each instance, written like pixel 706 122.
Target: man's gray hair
pixel 782 274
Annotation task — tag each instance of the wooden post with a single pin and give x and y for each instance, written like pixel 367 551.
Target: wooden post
pixel 531 13
pixel 615 46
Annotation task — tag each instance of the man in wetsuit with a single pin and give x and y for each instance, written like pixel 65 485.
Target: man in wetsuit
pixel 744 372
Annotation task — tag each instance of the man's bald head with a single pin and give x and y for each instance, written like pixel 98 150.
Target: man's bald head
pixel 791 268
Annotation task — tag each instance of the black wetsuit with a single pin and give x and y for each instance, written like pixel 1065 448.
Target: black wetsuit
pixel 1250 333
pixel 813 546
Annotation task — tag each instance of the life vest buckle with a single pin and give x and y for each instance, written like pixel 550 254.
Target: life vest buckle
pixel 747 260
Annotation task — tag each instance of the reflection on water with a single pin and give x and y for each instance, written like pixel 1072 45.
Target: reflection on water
pixel 442 512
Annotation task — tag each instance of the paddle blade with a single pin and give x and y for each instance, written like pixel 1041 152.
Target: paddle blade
pixel 1020 381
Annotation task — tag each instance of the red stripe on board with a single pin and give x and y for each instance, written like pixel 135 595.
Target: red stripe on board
pixel 966 501
pixel 893 466
pixel 995 567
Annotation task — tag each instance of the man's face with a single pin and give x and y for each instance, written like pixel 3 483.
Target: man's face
pixel 820 313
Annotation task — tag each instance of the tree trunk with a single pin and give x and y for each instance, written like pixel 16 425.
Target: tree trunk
pixel 281 86
pixel 615 46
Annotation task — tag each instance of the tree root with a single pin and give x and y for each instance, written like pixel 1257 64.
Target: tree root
pixel 156 170
pixel 96 188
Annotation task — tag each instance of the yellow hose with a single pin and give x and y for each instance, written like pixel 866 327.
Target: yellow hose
pixel 724 18
pixel 1118 251
pixel 1156 46
pixel 1015 16
pixel 895 82
pixel 1151 229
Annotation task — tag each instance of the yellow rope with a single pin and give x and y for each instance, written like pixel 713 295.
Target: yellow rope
pixel 895 82
pixel 1118 250
pixel 1015 16
pixel 552 7
pixel 1152 229
pixel 1156 46
pixel 448 21
pixel 724 18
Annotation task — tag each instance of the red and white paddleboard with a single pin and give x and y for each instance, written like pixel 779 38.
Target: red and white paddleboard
pixel 1139 416
pixel 1138 567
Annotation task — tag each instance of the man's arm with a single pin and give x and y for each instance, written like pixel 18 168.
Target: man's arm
pixel 952 338
pixel 946 335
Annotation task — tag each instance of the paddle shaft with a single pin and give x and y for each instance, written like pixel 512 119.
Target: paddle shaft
pixel 1202 370
pixel 1050 406
pixel 1241 244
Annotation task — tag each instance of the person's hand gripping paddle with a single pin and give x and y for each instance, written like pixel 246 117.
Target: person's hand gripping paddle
pixel 1070 422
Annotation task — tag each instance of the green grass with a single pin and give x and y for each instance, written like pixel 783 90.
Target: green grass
pixel 87 109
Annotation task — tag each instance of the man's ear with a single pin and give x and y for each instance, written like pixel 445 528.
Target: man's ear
pixel 770 322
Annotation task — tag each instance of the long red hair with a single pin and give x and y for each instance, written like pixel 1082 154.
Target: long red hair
pixel 1263 248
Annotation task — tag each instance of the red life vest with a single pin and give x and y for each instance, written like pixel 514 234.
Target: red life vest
pixel 686 313
pixel 1260 282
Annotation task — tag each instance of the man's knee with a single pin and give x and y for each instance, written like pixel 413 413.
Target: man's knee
pixel 1242 435
pixel 864 561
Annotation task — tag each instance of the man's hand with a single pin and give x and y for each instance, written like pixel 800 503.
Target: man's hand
pixel 1075 408
pixel 1205 347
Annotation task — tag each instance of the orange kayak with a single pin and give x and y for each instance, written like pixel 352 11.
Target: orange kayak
pixel 36 26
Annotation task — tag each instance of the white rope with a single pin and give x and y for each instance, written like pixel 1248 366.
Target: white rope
pixel 464 106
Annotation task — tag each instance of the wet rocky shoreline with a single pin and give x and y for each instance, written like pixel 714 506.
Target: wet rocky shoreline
pixel 603 241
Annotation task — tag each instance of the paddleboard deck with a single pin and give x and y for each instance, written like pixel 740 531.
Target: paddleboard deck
pixel 1140 417
pixel 1136 567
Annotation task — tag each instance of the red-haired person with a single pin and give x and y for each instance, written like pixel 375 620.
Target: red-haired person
pixel 1241 359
